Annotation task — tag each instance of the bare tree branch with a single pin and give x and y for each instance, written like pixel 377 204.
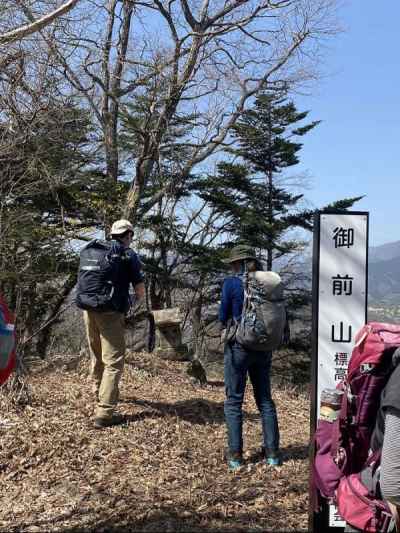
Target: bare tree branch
pixel 37 25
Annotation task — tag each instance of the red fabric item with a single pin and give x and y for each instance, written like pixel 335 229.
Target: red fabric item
pixel 370 343
pixel 326 473
pixel 359 508
pixel 9 318
pixel 342 446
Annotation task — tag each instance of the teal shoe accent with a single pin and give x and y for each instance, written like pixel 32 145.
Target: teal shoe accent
pixel 234 464
pixel 273 461
pixel 234 460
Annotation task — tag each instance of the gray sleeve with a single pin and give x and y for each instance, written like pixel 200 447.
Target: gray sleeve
pixel 390 461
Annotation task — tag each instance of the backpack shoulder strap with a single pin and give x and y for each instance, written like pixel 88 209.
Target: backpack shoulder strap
pixel 245 281
pixel 117 251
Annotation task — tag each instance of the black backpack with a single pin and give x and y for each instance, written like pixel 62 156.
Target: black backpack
pixel 99 269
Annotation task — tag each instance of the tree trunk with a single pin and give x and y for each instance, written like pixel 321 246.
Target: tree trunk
pixel 270 206
pixel 112 83
pixel 156 294
pixel 197 323
pixel 111 144
pixel 54 307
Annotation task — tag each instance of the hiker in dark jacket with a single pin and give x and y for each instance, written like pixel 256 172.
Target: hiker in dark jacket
pixel 106 329
pixel 239 362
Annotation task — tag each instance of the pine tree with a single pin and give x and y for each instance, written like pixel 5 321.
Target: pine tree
pixel 50 190
pixel 253 195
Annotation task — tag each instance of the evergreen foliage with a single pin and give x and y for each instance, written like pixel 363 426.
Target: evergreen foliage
pixel 254 193
pixel 49 189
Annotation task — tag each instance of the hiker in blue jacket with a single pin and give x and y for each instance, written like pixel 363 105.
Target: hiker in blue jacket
pixel 238 362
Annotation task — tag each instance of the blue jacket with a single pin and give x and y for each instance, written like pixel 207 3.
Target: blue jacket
pixel 231 300
pixel 131 272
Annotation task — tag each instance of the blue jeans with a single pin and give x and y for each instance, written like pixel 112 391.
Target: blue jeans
pixel 239 362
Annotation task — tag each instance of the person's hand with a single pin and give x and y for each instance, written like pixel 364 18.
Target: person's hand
pixel 140 291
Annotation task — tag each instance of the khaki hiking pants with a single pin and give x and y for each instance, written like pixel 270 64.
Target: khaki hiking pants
pixel 106 338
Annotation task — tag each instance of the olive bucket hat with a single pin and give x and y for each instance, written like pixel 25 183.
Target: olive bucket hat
pixel 239 253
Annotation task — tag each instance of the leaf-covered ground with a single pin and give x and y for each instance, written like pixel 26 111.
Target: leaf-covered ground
pixel 163 471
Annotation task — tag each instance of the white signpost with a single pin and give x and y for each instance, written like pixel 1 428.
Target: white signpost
pixel 340 280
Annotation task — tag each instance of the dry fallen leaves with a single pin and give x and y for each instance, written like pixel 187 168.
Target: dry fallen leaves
pixel 163 471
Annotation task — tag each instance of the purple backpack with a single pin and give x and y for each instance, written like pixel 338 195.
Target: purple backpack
pixel 342 447
pixel 359 502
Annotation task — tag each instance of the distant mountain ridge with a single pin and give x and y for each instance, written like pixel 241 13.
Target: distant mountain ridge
pixel 385 252
pixel 384 273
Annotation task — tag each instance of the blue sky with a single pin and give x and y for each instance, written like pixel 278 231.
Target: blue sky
pixel 355 150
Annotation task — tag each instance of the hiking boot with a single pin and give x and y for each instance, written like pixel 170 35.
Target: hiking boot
pixel 234 460
pixel 115 420
pixel 272 457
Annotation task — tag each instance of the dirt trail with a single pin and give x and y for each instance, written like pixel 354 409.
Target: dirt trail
pixel 162 472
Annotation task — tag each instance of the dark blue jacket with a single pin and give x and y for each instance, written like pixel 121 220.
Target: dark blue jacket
pixel 231 300
pixel 130 272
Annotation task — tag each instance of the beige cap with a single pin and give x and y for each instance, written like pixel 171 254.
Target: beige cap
pixel 120 226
